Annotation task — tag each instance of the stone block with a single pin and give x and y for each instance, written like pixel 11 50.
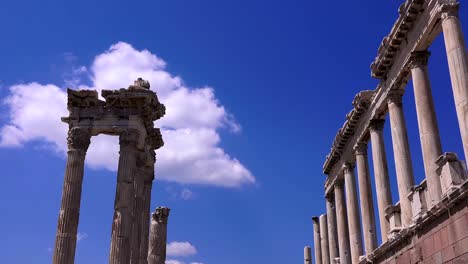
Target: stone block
pixel 417 197
pixel 428 247
pixel 452 172
pixel 393 215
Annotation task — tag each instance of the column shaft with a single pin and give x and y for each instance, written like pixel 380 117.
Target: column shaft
pixel 324 239
pixel 382 182
pixel 342 220
pixel 352 206
pixel 402 155
pixel 124 199
pixel 138 209
pixel 458 66
pixel 67 228
pixel 317 244
pixel 427 123
pixel 307 256
pixel 332 234
pixel 365 195
pixel 145 226
pixel 158 236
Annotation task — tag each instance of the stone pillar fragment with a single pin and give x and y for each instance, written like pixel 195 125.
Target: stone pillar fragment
pixel 307 256
pixel 402 154
pixel 417 197
pixel 452 172
pixel 158 236
pixel 342 221
pixel 324 239
pixel 365 195
pixel 393 214
pixel 331 224
pixel 458 64
pixel 427 123
pixel 124 199
pixel 138 208
pixel 67 228
pixel 382 182
pixel 352 206
pixel 317 244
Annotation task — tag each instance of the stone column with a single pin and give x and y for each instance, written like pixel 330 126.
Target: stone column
pixel 365 195
pixel 427 123
pixel 458 64
pixel 124 199
pixel 331 223
pixel 384 195
pixel 317 244
pixel 324 239
pixel 138 208
pixel 354 223
pixel 342 220
pixel 145 224
pixel 307 256
pixel 65 242
pixel 158 236
pixel 402 155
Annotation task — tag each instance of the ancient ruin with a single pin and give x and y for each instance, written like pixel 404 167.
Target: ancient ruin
pixel 158 236
pixel 429 223
pixel 130 114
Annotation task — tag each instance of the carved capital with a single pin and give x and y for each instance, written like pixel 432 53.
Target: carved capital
pixel 161 214
pixel 360 148
pixel 338 184
pixel 395 97
pixel 78 139
pixel 330 197
pixel 376 125
pixel 448 8
pixel 419 59
pixel 348 168
pixel 129 138
pixel 316 220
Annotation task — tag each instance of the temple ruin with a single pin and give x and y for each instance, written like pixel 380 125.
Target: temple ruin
pixel 130 114
pixel 429 223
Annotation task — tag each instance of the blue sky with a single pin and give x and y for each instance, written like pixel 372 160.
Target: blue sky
pixel 276 77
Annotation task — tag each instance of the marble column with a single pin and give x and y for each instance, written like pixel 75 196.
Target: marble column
pixel 342 221
pixel 145 224
pixel 458 65
pixel 124 199
pixel 138 208
pixel 317 244
pixel 307 256
pixel 331 223
pixel 355 239
pixel 365 195
pixel 382 182
pixel 158 236
pixel 65 242
pixel 427 123
pixel 402 155
pixel 324 239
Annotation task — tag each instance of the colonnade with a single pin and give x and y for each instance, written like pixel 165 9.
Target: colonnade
pixel 350 235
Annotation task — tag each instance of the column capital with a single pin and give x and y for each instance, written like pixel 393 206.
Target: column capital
pixel 315 220
pixel 419 59
pixel 78 139
pixel 448 8
pixel 376 125
pixel 129 138
pixel 338 183
pixel 360 148
pixel 330 197
pixel 348 167
pixel 395 97
pixel 161 214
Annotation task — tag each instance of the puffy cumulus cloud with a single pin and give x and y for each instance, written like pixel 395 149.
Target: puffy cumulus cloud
pixel 180 249
pixel 191 154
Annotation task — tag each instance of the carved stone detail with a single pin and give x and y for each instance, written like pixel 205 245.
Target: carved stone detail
pixel 395 97
pixel 376 124
pixel 360 148
pixel 449 8
pixel 129 138
pixel 78 139
pixel 161 214
pixel 419 59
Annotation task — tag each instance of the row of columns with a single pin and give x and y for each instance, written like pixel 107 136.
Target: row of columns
pixel 342 210
pixel 130 227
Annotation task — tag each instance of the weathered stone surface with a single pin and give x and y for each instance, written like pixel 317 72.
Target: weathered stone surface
pixel 158 236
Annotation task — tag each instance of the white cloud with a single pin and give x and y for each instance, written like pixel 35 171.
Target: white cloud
pixel 191 154
pixel 81 236
pixel 196 263
pixel 180 249
pixel 174 261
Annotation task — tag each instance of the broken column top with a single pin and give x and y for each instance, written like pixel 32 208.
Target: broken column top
pixel 161 214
